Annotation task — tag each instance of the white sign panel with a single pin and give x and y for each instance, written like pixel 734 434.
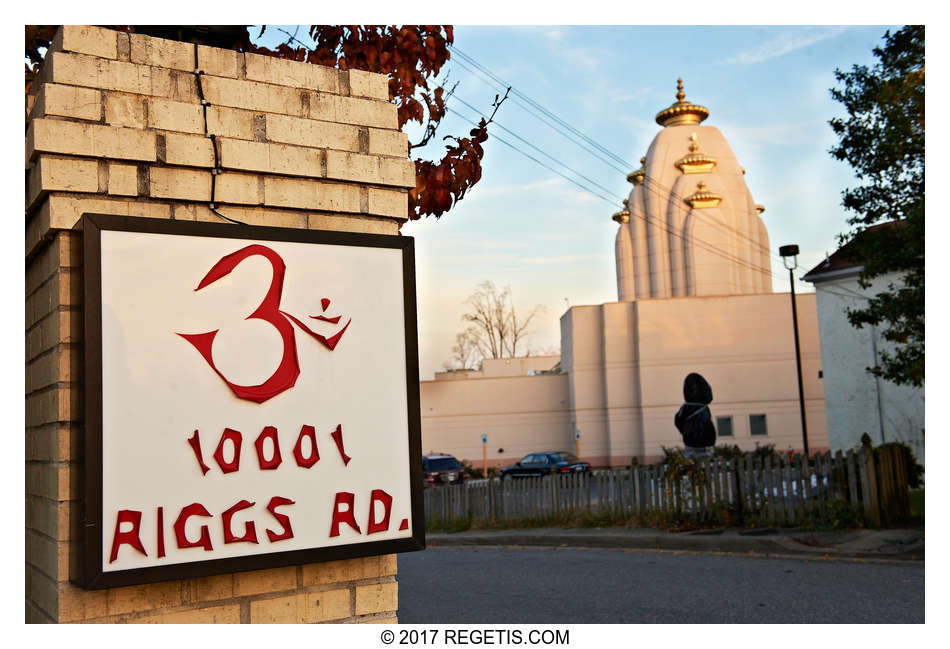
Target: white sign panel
pixel 256 396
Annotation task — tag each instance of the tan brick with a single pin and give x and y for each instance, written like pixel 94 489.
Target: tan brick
pixel 87 71
pixel 41 550
pixel 271 580
pixel 184 184
pixel 251 95
pixel 377 598
pixel 63 174
pixel 85 39
pixel 383 142
pixel 30 103
pixel 389 203
pixel 229 614
pixel 302 608
pixel 369 84
pixel 311 194
pixel 123 180
pixel 279 610
pixel 214 587
pixel 370 169
pixel 76 604
pixel 231 122
pixel 296 74
pixel 62 364
pixel 340 223
pixel 312 133
pixel 53 518
pixel 52 481
pixel 333 572
pixel 65 250
pixel 75 138
pixel 383 620
pixel 327 605
pixel 218 62
pixel 148 50
pixel 36 615
pixel 232 187
pixel 352 110
pixel 175 116
pixel 126 110
pixel 53 443
pixel 270 158
pixel 53 329
pixel 60 212
pixel 68 101
pixel 254 216
pixel 43 591
pixel 143 597
pixel 188 150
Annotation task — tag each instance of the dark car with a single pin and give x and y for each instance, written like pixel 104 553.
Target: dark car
pixel 538 464
pixel 442 470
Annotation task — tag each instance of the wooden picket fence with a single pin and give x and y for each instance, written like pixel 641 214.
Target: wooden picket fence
pixel 860 485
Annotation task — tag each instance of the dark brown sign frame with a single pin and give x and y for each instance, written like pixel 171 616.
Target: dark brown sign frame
pixel 92 576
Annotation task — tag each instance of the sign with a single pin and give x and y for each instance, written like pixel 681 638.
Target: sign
pixel 484 438
pixel 252 398
pixel 577 434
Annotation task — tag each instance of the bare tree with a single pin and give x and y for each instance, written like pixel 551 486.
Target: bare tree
pixel 465 353
pixel 495 331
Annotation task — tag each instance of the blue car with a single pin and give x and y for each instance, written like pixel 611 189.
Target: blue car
pixel 539 464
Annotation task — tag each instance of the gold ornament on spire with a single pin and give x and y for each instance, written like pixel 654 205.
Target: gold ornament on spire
pixel 703 198
pixel 623 216
pixel 636 177
pixel 682 112
pixel 695 162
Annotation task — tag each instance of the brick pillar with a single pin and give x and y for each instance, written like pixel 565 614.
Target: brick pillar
pixel 115 125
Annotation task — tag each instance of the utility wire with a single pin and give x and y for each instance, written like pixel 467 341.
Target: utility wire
pixel 700 243
pixel 486 72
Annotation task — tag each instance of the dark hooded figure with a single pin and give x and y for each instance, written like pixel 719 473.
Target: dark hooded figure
pixel 693 419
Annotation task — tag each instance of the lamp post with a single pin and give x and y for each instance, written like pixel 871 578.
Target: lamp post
pixel 789 255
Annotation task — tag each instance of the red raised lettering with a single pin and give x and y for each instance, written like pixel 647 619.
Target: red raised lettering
pixel 194 509
pixel 306 462
pixel 235 463
pixel 274 461
pixel 337 436
pixel 250 533
pixel 195 443
pixel 283 519
pixel 160 524
pixel 380 496
pixel 343 516
pixel 129 537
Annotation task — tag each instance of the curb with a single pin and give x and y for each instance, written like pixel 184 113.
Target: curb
pixel 727 543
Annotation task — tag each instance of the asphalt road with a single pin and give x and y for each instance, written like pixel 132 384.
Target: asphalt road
pixel 581 586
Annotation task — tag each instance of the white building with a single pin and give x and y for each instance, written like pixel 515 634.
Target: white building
pixel 694 295
pixel 856 401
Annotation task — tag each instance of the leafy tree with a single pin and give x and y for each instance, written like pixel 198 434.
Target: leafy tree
pixel 496 330
pixel 883 140
pixel 411 55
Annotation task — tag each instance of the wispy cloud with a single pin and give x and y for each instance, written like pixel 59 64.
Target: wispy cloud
pixel 784 43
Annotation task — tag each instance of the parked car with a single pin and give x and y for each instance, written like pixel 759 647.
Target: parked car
pixel 538 464
pixel 440 470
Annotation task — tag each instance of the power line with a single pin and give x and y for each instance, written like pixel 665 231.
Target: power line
pixel 485 71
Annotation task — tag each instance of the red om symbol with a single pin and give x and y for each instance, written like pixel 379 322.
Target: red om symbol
pixel 285 376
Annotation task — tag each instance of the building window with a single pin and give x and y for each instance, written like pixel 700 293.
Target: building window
pixel 724 426
pixel 757 425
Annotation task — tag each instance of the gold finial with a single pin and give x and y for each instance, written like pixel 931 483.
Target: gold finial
pixel 695 162
pixel 623 216
pixel 643 160
pixel 681 112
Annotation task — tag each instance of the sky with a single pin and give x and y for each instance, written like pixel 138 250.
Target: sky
pixel 551 241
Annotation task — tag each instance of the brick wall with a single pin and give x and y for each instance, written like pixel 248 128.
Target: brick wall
pixel 115 124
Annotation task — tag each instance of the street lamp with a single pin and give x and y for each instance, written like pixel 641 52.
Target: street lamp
pixel 789 255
